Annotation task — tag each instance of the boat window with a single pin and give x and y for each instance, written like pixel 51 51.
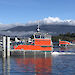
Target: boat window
pixel 37 36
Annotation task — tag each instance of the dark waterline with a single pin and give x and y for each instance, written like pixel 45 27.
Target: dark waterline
pixel 39 65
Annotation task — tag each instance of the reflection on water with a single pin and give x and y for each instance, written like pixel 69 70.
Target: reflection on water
pixel 6 66
pixel 39 65
pixel 27 65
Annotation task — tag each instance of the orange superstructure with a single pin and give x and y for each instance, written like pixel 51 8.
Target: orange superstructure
pixel 40 43
pixel 64 43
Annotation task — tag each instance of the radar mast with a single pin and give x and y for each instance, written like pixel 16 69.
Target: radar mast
pixel 38 28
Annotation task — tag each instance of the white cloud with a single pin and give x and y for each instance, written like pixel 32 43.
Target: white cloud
pixel 46 21
pixel 52 21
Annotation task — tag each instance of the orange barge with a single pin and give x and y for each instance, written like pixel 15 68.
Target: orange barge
pixel 40 42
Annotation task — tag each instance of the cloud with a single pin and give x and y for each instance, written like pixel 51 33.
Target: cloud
pixel 7 26
pixel 45 21
pixel 52 21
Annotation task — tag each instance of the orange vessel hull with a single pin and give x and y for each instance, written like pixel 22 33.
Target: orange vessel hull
pixel 33 47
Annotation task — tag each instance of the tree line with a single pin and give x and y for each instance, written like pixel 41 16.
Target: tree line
pixel 67 36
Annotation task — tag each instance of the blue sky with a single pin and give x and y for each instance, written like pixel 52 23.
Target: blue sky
pixel 22 11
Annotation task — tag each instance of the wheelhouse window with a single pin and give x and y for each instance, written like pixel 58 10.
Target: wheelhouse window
pixel 37 36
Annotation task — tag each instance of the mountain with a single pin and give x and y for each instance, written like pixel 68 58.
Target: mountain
pixel 29 30
pixel 23 28
pixel 46 28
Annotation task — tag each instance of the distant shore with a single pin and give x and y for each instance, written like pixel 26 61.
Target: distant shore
pixel 67 36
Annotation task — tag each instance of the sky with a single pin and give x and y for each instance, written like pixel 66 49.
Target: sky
pixel 23 11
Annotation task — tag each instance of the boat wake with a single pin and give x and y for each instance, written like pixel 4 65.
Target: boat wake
pixel 63 53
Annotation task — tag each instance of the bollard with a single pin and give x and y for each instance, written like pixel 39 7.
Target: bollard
pixel 4 47
pixel 8 46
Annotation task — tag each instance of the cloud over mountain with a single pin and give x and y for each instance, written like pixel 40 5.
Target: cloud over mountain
pixel 45 21
pixel 50 24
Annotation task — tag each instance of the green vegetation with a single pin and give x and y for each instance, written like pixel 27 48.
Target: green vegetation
pixel 68 37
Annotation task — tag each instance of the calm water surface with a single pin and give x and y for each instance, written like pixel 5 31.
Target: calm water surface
pixel 50 65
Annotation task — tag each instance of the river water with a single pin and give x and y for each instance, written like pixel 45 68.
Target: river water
pixel 56 64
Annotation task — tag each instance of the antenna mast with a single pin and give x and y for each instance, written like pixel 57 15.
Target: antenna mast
pixel 38 29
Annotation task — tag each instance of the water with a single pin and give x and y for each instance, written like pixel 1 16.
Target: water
pixel 57 64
